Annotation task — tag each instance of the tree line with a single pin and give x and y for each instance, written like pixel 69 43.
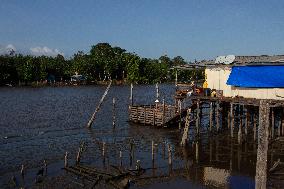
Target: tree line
pixel 102 63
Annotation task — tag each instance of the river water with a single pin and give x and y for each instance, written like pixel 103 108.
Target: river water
pixel 44 123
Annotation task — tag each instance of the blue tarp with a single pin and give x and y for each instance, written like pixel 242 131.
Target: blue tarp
pixel 257 76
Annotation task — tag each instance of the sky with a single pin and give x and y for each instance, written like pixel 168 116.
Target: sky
pixel 193 29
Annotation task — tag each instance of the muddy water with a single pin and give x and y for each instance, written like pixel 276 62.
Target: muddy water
pixel 44 123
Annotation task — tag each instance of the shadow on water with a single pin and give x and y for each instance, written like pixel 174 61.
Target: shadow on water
pixel 44 123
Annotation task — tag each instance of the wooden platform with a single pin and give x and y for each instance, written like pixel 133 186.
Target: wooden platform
pixel 157 115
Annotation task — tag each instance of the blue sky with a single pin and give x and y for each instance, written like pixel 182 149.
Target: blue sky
pixel 193 29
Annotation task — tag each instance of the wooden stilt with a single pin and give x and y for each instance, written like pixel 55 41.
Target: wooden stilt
pixel 218 116
pixel 66 159
pixel 169 155
pixel 186 128
pixel 113 113
pixel 164 110
pixel 247 121
pixel 263 132
pixel 211 117
pixel 197 118
pixel 254 126
pixel 153 151
pixel 232 119
pixel 131 94
pixel 197 152
pixel 272 123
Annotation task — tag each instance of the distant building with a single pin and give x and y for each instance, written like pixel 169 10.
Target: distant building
pixel 260 77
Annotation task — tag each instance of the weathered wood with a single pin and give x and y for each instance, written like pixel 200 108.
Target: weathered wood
pixel 232 119
pixel 169 155
pixel 218 116
pixel 263 132
pixel 131 94
pixel 254 127
pixel 99 105
pixel 272 123
pixel 197 122
pixel 153 151
pixel 113 113
pixel 186 128
pixel 211 117
pixel 66 159
pixel 247 121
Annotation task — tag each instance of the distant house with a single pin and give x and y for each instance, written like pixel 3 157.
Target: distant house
pixel 255 79
pixel 78 78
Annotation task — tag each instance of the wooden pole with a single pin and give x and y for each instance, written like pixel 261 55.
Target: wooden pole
pixel 131 153
pixel 131 94
pixel 157 91
pixel 232 119
pixel 218 117
pixel 247 121
pixel 197 152
pixel 282 122
pixel 272 123
pixel 211 117
pixel 104 152
pixel 113 113
pixel 164 109
pixel 240 131
pixel 99 105
pixel 78 158
pixel 263 132
pixel 254 126
pixel 176 80
pixel 186 128
pixel 66 160
pixel 120 158
pixel 23 171
pixel 197 119
pixel 169 155
pixel 153 151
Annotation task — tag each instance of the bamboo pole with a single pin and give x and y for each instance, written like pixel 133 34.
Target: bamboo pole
pixel 99 105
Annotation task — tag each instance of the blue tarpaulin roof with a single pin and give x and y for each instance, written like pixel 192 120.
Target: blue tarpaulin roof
pixel 257 76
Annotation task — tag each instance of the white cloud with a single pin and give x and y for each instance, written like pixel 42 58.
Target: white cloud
pixel 7 49
pixel 37 51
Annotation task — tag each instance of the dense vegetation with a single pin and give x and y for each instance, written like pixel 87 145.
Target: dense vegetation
pixel 102 63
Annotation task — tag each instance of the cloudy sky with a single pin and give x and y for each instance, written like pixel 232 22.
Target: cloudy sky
pixel 194 29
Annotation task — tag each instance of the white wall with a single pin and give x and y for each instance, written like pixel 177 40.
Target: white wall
pixel 217 78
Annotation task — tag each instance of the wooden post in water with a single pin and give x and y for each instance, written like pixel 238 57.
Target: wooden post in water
pixel 186 128
pixel 120 158
pixel 197 118
pixel 254 126
pixel 164 109
pixel 78 158
pixel 99 105
pixel 66 160
pixel 232 119
pixel 131 94
pixel 169 155
pixel 218 116
pixel 113 113
pixel 211 117
pixel 144 115
pixel 23 171
pixel 272 123
pixel 197 152
pixel 157 92
pixel 104 152
pixel 263 132
pixel 282 122
pixel 153 151
pixel 131 153
pixel 240 131
pixel 247 121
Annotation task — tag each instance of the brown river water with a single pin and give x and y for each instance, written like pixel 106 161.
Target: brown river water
pixel 44 123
